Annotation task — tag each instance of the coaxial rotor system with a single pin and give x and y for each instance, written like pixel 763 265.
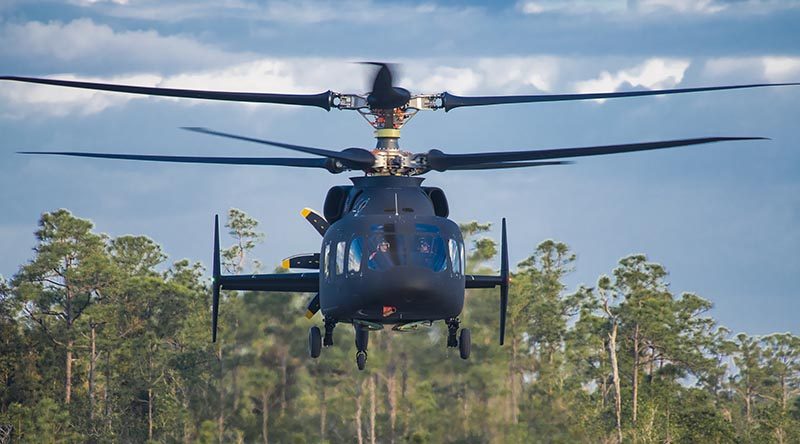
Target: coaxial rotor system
pixel 387 108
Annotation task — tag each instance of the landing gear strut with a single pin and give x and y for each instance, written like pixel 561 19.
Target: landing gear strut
pixel 452 332
pixel 463 340
pixel 362 340
pixel 327 341
pixel 314 342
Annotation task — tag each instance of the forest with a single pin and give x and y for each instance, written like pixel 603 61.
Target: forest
pixel 104 341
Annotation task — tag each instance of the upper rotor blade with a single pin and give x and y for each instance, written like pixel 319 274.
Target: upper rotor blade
pixel 293 162
pixel 440 161
pixel 450 101
pixel 502 165
pixel 355 157
pixel 321 100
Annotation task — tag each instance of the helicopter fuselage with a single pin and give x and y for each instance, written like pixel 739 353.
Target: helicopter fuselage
pixel 389 258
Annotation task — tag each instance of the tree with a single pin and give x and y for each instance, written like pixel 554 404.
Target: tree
pixel 243 229
pixel 69 272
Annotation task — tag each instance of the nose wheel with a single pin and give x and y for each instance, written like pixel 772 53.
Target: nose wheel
pixel 461 339
pixel 362 340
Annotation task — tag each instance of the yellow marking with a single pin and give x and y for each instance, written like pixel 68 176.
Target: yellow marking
pixel 387 132
pixel 306 212
pixel 285 264
pixel 309 314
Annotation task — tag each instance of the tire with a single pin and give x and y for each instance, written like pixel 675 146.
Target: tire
pixel 314 342
pixel 464 343
pixel 361 360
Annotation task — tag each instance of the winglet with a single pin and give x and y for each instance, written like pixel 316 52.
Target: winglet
pixel 216 283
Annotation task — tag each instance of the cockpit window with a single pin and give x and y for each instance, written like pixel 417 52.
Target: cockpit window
pixel 429 252
pixel 326 256
pixel 426 228
pixel 354 258
pixel 455 256
pixel 340 257
pixel 385 251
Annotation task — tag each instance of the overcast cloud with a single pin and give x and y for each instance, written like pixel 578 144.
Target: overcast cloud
pixel 724 219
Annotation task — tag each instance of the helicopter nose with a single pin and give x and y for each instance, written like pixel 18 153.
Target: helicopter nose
pixel 418 292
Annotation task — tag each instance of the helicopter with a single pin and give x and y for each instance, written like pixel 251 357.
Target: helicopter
pixel 389 255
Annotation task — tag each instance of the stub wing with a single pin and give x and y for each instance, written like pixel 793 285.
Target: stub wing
pixel 290 282
pixel 479 281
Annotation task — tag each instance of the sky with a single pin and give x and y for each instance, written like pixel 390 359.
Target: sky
pixel 724 219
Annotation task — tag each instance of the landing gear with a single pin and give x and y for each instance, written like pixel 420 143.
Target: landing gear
pixel 314 342
pixel 452 332
pixel 362 340
pixel 461 340
pixel 327 341
pixel 464 343
pixel 361 360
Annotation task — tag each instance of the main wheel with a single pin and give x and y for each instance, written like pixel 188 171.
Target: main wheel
pixel 464 343
pixel 314 342
pixel 361 360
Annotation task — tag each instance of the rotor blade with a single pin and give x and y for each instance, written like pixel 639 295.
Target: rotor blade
pixel 450 101
pixel 321 100
pixel 440 161
pixel 384 94
pixel 355 157
pixel 293 162
pixel 501 165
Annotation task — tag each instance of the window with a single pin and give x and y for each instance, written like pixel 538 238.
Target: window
pixel 354 258
pixel 429 252
pixel 385 251
pixel 455 256
pixel 326 260
pixel 340 257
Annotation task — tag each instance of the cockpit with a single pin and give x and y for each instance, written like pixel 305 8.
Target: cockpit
pixel 424 248
pixel 384 248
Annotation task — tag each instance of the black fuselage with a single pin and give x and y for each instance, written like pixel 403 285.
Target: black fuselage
pixel 389 258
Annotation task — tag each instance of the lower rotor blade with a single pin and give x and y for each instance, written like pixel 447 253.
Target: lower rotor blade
pixel 440 161
pixel 502 165
pixel 321 100
pixel 354 157
pixel 292 162
pixel 450 101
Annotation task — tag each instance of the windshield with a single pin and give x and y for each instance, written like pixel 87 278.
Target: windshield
pixel 425 249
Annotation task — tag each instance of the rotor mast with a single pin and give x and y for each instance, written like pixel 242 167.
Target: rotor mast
pixel 390 160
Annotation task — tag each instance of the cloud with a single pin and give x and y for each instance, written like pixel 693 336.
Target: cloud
pixel 293 12
pixel 656 73
pixel 767 68
pixel 682 6
pixel 84 41
pixel 652 7
pixel 26 99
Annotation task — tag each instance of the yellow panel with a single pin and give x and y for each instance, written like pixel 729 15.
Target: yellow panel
pixel 387 132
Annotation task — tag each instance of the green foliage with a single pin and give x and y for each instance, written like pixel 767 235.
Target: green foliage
pixel 143 368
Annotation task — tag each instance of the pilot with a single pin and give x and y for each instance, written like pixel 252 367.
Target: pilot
pixel 379 259
pixel 424 246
